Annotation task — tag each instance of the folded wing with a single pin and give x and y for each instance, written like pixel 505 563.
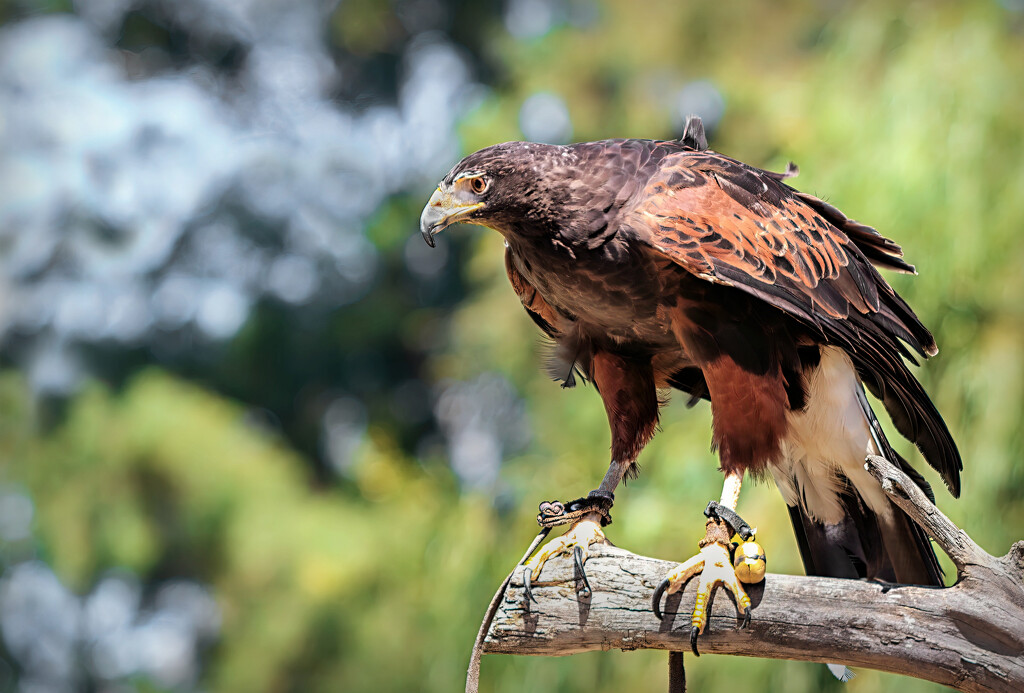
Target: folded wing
pixel 739 226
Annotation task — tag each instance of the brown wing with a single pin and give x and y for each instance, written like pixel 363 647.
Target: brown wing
pixel 732 224
pixel 736 225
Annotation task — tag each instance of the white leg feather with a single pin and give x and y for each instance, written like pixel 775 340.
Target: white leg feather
pixel 830 435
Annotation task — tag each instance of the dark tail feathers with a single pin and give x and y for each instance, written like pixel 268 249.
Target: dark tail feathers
pixel 865 545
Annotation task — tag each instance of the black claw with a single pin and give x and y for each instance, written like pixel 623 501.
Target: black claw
pixel 527 589
pixel 694 632
pixel 577 557
pixel 656 600
pixel 746 618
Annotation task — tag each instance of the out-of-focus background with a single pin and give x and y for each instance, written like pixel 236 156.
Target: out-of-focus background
pixel 256 436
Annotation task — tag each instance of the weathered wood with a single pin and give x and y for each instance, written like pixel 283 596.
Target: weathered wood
pixel 954 541
pixel 969 636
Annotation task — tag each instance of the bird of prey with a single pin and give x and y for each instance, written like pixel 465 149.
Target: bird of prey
pixel 663 264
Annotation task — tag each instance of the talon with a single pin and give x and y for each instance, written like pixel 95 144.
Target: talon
pixel 577 557
pixel 694 632
pixel 527 589
pixel 575 543
pixel 656 600
pixel 715 566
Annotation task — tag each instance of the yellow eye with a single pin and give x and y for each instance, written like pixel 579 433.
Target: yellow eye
pixel 478 185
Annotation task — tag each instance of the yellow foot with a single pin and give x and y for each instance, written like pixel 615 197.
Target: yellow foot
pixel 576 541
pixel 716 567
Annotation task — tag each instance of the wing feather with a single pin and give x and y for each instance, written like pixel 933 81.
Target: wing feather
pixel 733 224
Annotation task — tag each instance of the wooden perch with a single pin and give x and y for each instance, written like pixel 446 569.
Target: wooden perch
pixel 969 636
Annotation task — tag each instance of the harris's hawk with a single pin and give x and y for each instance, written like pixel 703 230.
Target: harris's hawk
pixel 663 264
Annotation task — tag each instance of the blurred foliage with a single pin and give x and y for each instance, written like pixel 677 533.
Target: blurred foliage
pixel 906 116
pixel 166 479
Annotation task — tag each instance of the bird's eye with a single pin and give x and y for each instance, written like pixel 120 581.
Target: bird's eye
pixel 479 185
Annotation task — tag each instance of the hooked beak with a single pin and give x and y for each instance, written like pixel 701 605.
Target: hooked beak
pixel 441 211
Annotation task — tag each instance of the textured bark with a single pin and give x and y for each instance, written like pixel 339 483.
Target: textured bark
pixel 969 636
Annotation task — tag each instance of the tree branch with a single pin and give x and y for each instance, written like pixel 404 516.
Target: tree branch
pixel 969 636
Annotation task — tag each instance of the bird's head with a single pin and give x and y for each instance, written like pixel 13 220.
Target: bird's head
pixel 496 187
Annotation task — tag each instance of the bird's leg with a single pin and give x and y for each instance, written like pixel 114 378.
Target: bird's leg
pixel 628 389
pixel 715 561
pixel 587 515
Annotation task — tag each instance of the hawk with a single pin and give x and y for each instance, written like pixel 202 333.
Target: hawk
pixel 663 264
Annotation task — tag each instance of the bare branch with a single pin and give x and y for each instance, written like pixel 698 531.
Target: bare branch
pixel 969 636
pixel 905 493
